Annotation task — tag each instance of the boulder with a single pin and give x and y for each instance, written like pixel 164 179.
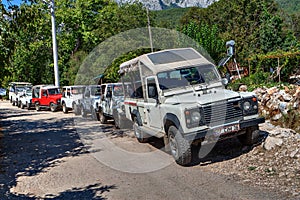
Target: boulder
pixel 272 142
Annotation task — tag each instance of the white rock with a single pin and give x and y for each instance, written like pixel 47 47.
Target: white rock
pixel 287 97
pixel 283 107
pixel 272 90
pixel 281 174
pixel 272 142
pixel 277 117
pixel 293 154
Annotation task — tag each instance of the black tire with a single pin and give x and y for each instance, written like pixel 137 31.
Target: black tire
pixel 13 103
pixel 180 148
pixel 95 115
pixel 250 137
pixel 76 109
pixel 10 100
pixel 37 106
pixel 64 108
pixel 102 118
pixel 118 123
pixel 52 107
pixel 83 113
pixel 27 106
pixel 140 136
pixel 19 104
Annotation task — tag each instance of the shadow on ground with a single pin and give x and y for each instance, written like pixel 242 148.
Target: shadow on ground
pixel 29 147
pixel 221 151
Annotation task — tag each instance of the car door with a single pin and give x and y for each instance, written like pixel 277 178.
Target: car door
pixel 44 97
pixel 108 104
pixel 87 98
pixel 69 98
pixel 152 106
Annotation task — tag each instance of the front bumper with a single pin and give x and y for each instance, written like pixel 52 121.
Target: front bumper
pixel 243 124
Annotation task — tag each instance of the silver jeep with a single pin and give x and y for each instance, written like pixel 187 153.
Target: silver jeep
pixel 179 95
pixel 111 104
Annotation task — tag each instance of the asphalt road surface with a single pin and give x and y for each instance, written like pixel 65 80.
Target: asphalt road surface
pixel 47 155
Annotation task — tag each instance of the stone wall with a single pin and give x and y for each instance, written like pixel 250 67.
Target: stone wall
pixel 275 103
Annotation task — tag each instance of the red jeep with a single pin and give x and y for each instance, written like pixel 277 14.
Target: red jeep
pixel 46 97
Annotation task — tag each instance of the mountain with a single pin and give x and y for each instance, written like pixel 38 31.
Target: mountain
pixel 165 4
pixel 290 6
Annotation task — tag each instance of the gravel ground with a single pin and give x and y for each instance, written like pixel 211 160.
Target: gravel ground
pixel 277 168
pixel 47 155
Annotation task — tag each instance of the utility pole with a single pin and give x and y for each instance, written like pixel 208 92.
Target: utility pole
pixel 55 57
pixel 149 29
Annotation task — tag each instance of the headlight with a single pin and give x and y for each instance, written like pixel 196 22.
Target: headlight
pixel 193 118
pixel 247 106
pixel 250 106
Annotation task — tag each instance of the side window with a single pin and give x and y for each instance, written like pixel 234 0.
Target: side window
pixel 151 88
pixel 103 89
pixel 45 93
pixel 64 92
pixel 11 89
pixel 87 93
pixel 68 92
pixel 109 91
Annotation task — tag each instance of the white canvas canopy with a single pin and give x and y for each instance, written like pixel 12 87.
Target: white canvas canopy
pixel 165 60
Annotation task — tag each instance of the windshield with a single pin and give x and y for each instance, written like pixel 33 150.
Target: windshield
pixel 20 89
pixel 187 76
pixel 96 91
pixel 29 93
pixel 77 90
pixel 53 91
pixel 118 90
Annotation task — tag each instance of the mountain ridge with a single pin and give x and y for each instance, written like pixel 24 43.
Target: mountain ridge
pixel 166 4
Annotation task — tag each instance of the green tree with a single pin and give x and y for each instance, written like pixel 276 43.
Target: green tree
pixel 208 37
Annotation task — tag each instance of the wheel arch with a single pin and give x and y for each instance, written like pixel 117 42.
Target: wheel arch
pixel 136 113
pixel 169 120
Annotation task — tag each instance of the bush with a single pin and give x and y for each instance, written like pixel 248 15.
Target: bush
pixel 256 80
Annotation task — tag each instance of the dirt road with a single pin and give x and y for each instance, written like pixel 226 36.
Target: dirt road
pixel 47 155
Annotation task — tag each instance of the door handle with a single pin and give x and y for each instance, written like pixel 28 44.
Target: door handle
pixel 148 109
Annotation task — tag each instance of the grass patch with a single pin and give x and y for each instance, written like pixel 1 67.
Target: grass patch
pixel 252 168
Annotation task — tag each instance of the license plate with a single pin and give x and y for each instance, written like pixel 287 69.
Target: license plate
pixel 227 129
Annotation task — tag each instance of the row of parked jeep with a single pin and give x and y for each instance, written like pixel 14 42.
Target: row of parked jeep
pixel 101 101
pixel 175 94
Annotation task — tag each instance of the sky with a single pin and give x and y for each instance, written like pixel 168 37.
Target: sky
pixel 13 2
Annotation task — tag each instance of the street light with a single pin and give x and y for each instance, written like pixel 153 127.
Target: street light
pixel 55 57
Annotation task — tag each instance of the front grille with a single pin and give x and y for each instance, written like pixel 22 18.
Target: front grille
pixel 222 113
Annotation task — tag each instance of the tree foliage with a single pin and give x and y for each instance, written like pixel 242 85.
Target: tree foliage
pixel 26 40
pixel 208 37
pixel 26 53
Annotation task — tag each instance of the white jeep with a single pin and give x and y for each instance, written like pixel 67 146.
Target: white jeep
pixel 110 107
pixel 179 95
pixel 16 90
pixel 71 98
pixel 90 101
pixel 26 100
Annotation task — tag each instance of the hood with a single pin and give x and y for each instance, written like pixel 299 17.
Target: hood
pixel 202 97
